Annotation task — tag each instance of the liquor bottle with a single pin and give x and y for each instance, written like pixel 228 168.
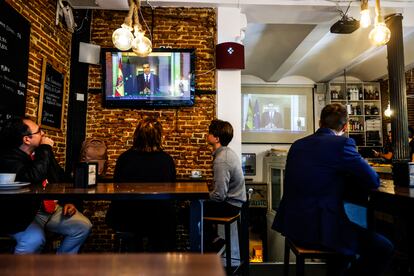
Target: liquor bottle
pixel 374 110
pixel 367 110
pixel 360 93
pixel 376 94
pixel 358 110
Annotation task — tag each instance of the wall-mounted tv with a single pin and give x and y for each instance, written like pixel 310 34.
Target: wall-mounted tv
pixel 165 78
pixel 276 114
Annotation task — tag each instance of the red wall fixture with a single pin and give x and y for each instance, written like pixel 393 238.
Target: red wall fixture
pixel 229 55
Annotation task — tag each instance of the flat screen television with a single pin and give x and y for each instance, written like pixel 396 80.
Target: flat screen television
pixel 165 78
pixel 276 114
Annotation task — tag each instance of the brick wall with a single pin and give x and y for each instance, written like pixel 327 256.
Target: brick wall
pixel 46 41
pixel 184 128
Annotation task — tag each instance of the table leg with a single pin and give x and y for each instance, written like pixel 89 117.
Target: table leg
pixel 196 226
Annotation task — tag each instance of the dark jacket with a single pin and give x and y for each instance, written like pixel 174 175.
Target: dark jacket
pixel 18 214
pixel 133 166
pixel 153 85
pixel 317 172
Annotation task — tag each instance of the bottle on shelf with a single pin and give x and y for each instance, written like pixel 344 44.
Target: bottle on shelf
pixel 374 110
pixel 360 95
pixel 367 110
pixel 376 94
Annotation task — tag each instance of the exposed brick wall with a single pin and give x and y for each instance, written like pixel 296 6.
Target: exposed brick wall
pixel 46 41
pixel 184 128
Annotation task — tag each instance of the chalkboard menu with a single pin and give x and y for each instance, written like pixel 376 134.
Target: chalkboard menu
pixel 14 61
pixel 52 96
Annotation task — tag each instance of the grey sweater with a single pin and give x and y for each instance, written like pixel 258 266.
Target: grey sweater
pixel 228 183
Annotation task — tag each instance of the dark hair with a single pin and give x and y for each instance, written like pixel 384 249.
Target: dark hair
pixel 147 135
pixel 12 132
pixel 334 116
pixel 410 132
pixel 221 129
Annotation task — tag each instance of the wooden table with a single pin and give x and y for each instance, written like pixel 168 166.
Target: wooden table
pixel 194 191
pixel 394 206
pixel 112 264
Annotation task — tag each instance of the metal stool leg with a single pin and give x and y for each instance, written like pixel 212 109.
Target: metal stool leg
pixel 286 259
pixel 300 266
pixel 228 247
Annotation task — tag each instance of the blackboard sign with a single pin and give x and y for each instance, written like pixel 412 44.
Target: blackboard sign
pixel 14 61
pixel 52 97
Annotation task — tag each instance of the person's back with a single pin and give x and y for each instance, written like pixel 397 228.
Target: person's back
pixel 319 170
pixel 145 162
pixel 135 166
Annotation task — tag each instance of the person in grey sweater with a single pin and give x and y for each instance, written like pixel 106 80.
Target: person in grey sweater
pixel 228 191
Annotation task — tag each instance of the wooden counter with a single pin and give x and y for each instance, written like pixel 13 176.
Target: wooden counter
pixel 111 264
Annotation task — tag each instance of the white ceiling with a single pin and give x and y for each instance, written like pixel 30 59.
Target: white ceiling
pixel 291 37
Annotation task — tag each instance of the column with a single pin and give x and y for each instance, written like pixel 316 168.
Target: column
pixel 398 100
pixel 228 82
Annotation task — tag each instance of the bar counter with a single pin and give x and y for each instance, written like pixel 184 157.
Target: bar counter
pixel 112 264
pixel 193 191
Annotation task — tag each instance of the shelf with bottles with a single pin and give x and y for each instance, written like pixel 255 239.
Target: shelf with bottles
pixel 359 138
pixel 371 91
pixel 338 92
pixel 356 124
pixel 372 108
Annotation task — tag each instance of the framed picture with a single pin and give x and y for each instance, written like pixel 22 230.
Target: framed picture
pixel 276 114
pixel 52 97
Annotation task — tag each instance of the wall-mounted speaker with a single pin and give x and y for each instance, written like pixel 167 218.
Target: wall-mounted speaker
pixel 89 53
pixel 229 55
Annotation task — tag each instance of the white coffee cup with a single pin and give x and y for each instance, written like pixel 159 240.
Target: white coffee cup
pixel 7 178
pixel 195 173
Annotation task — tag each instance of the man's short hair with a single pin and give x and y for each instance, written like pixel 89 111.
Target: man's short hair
pixel 12 132
pixel 334 116
pixel 148 135
pixel 221 129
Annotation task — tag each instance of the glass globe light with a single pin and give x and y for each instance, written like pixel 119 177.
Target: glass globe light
pixel 380 35
pixel 141 45
pixel 365 19
pixel 122 38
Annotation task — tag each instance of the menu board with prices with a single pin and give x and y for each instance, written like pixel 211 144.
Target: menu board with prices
pixel 52 97
pixel 14 62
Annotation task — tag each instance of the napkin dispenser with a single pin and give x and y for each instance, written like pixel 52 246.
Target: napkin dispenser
pixel 86 174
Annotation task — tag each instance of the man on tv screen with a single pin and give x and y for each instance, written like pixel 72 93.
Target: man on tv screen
pixel 148 83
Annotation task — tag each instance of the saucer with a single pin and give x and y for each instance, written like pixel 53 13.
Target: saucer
pixel 13 185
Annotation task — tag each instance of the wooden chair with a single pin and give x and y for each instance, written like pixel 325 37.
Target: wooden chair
pixel 301 254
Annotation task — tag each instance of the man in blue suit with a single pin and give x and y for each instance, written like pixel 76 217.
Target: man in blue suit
pixel 319 169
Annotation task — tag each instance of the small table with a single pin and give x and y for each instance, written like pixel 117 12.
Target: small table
pixel 194 191
pixel 112 264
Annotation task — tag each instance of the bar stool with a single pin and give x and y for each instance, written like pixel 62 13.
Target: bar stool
pixel 301 254
pixel 227 221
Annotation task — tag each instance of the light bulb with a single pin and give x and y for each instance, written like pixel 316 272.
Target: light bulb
pixel 388 111
pixel 365 19
pixel 122 38
pixel 141 45
pixel 380 35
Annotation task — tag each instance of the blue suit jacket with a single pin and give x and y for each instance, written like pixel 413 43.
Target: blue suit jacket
pixel 319 169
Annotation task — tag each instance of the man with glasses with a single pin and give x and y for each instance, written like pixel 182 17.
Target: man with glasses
pixel 26 151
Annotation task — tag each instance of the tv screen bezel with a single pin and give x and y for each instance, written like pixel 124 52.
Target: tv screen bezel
pixel 166 103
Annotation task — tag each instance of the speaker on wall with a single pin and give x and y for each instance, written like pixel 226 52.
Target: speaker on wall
pixel 89 53
pixel 229 55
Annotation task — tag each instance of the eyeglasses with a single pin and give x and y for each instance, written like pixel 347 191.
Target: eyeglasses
pixel 36 132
